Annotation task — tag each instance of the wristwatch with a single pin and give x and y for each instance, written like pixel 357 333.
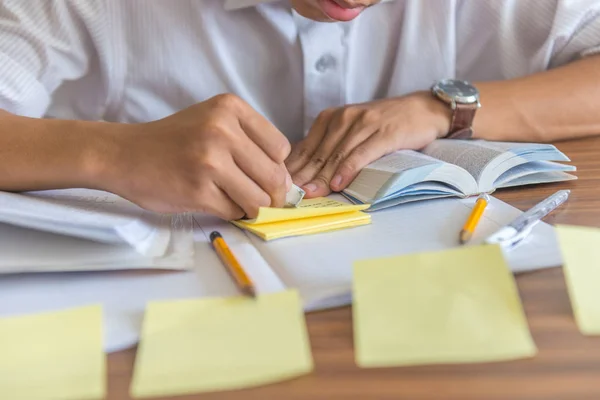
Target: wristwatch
pixel 463 98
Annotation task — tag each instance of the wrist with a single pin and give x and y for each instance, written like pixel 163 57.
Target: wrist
pixel 101 159
pixel 437 113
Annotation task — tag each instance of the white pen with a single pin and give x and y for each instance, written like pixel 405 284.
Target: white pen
pixel 512 234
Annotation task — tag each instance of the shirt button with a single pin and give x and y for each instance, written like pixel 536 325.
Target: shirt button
pixel 325 63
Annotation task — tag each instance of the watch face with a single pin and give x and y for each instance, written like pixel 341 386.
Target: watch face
pixel 457 90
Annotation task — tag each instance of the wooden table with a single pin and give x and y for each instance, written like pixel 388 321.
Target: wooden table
pixel 566 367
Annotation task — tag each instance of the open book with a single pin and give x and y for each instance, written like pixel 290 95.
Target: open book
pixel 460 168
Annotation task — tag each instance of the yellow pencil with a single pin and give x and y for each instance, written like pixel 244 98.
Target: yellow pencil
pixel 242 279
pixel 476 213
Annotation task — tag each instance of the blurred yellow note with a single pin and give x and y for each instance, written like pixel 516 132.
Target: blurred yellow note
pixel 54 355
pixel 192 346
pixel 311 216
pixel 455 306
pixel 580 247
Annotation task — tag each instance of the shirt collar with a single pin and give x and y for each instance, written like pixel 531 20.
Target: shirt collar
pixel 237 4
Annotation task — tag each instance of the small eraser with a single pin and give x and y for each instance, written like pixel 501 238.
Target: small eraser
pixel 294 196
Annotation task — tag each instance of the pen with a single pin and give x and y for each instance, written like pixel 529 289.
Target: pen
pixel 231 263
pixel 513 233
pixel 469 228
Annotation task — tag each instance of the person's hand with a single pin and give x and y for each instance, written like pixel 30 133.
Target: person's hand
pixel 219 157
pixel 344 140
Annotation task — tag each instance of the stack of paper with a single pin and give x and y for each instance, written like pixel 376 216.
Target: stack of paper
pixel 311 216
pixel 81 229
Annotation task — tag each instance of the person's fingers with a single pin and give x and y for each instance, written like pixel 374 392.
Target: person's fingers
pixel 304 150
pixel 341 124
pixel 242 189
pixel 265 135
pixel 373 148
pixel 258 128
pixel 218 203
pixel 327 180
pixel 272 178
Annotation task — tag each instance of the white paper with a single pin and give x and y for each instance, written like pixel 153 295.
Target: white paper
pixel 319 265
pixel 88 214
pixel 29 250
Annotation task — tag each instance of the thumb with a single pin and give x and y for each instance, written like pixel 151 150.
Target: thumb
pixel 288 181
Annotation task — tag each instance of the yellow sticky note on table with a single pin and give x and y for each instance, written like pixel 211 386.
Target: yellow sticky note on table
pixel 311 216
pixel 580 247
pixel 454 306
pixel 190 346
pixel 53 355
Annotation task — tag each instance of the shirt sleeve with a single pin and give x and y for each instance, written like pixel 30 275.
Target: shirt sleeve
pixel 507 39
pixel 42 44
pixel 575 31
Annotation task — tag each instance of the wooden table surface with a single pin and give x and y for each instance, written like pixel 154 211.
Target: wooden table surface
pixel 566 367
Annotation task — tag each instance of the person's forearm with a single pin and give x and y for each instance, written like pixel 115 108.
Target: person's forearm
pixel 41 154
pixel 558 104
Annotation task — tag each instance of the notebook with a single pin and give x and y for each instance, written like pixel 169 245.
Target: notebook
pixel 88 214
pixel 83 230
pixel 456 168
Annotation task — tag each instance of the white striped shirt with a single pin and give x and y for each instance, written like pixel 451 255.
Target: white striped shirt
pixel 140 60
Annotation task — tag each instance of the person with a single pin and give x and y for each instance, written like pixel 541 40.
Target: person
pixel 218 106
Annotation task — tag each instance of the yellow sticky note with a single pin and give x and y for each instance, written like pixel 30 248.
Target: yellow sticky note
pixel 580 247
pixel 307 226
pixel 206 345
pixel 455 306
pixel 54 355
pixel 308 208
pixel 312 216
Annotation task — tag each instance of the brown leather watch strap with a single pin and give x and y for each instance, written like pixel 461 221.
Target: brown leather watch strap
pixel 461 126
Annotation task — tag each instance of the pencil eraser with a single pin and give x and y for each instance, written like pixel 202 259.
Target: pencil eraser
pixel 294 196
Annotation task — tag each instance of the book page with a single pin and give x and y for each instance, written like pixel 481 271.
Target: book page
pixel 469 155
pixel 488 161
pixel 88 214
pixel 374 180
pixel 534 172
pixel 402 160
